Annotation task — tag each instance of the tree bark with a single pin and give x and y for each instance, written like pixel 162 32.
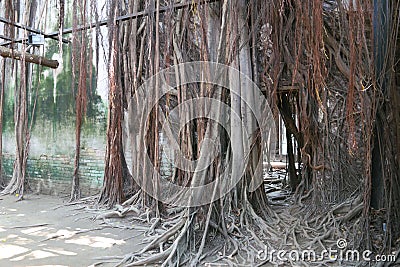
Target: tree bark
pixel 80 101
pixel 287 114
pixel 112 192
pixel 22 134
pixel 27 57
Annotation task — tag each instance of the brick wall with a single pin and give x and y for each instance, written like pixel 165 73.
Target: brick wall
pixel 50 164
pixel 52 174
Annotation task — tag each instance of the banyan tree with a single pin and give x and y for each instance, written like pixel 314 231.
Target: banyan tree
pixel 202 85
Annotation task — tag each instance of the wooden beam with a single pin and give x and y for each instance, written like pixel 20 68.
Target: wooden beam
pixel 6 52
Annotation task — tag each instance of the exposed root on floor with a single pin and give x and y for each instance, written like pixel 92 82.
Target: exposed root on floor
pixel 241 237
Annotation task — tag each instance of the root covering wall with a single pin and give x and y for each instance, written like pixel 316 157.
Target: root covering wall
pixel 52 174
pixel 51 162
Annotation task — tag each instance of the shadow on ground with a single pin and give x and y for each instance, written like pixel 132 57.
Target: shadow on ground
pixel 42 231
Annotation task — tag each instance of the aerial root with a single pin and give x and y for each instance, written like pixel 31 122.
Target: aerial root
pixel 245 234
pixel 74 233
pixel 165 236
pixel 119 212
pixel 155 223
pixel 165 256
pixel 133 199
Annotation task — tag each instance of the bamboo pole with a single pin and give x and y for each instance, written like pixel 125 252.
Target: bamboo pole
pixel 6 52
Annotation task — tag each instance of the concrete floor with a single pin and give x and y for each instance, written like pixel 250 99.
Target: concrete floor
pixel 41 231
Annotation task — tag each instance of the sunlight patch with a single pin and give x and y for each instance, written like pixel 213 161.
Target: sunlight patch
pixel 11 236
pixel 36 231
pixel 95 241
pixel 62 234
pixel 21 240
pixel 36 254
pixel 61 251
pixel 8 251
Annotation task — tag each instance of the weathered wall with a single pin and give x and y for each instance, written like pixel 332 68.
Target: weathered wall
pixel 52 174
pixel 52 146
pixel 51 159
pixel 51 112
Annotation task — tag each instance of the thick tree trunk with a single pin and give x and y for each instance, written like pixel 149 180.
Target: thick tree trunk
pixel 385 177
pixel 22 134
pixel 17 183
pixel 80 106
pixel 112 192
pixel 81 98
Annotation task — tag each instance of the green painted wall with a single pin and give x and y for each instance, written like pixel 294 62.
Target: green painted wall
pixel 52 146
pixel 52 174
